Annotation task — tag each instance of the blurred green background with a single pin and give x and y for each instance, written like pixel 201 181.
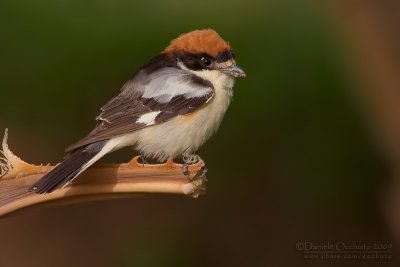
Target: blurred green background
pixel 293 160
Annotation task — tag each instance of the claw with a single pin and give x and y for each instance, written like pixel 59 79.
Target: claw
pixel 143 160
pixel 201 172
pixel 185 170
pixel 190 160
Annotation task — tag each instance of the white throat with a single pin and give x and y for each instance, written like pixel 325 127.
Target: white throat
pixel 218 79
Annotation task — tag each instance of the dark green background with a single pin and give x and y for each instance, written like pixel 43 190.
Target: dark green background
pixel 292 160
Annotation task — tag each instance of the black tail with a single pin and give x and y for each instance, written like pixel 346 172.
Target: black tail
pixel 76 162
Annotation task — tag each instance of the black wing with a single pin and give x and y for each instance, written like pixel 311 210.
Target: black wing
pixel 164 94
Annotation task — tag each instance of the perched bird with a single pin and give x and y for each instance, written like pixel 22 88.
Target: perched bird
pixel 168 108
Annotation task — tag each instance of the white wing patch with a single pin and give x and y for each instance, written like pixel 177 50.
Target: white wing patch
pixel 148 118
pixel 170 82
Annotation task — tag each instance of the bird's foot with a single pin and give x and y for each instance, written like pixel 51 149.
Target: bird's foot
pixel 190 160
pixel 143 159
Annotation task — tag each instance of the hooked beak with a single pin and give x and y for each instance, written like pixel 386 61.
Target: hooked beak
pixel 234 71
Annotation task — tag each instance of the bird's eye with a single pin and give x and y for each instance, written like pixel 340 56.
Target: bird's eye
pixel 206 62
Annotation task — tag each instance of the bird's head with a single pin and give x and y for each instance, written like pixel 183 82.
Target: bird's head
pixel 204 51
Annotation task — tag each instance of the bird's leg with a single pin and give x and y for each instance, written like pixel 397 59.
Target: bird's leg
pixel 143 160
pixel 190 160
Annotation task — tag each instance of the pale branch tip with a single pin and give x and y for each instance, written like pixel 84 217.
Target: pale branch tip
pixel 5 164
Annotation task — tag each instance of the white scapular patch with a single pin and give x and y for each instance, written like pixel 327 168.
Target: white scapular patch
pixel 179 135
pixel 170 82
pixel 148 118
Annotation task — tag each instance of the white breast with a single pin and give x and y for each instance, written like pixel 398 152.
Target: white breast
pixel 185 134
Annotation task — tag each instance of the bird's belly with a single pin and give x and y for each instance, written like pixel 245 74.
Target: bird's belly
pixel 183 134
